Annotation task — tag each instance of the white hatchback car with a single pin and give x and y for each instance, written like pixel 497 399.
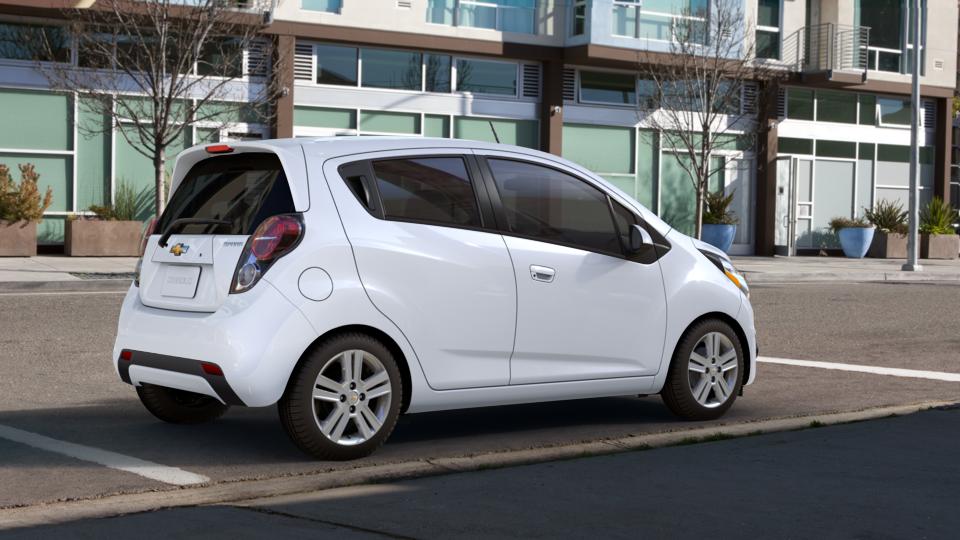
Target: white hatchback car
pixel 353 279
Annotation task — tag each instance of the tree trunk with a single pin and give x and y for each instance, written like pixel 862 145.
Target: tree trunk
pixel 159 169
pixel 698 214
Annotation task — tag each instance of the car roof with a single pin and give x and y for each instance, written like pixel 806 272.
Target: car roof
pixel 345 145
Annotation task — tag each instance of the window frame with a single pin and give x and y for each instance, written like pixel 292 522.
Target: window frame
pixel 500 212
pixel 376 208
pixel 778 30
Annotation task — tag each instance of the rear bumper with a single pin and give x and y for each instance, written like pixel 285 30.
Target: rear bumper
pixel 255 338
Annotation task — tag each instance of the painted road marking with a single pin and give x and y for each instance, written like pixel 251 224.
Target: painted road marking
pixel 59 293
pixel 147 469
pixel 876 370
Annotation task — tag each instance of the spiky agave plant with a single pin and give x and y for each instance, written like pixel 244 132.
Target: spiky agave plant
pixel 938 217
pixel 716 209
pixel 888 217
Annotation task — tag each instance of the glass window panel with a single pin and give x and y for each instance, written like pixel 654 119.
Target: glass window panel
pixel 888 61
pixel 894 153
pixel 625 20
pixel 601 149
pixel 868 109
pixel 647 165
pixel 517 132
pixel 437 72
pixel 653 26
pixel 836 107
pixel 892 173
pixel 768 13
pixel 841 149
pixel 136 169
pixel 220 57
pixel 436 126
pixel 678 199
pixel 799 104
pixel 36 120
pixel 864 185
pixel 832 195
pixel 382 68
pixel 790 145
pixel 93 157
pixel 552 206
pixel 894 195
pixel 768 44
pixel 484 77
pixel 866 151
pixel 390 122
pixel 55 172
pixel 322 117
pixel 804 180
pixel 884 17
pixel 330 6
pixel 619 88
pixel 518 16
pixel 33 42
pixel 477 15
pixel 428 190
pixel 336 65
pixel 441 11
pixel 579 18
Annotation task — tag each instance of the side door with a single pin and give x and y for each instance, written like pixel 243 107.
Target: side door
pixel 584 309
pixel 430 260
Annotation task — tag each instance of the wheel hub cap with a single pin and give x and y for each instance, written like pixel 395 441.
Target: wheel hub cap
pixel 713 370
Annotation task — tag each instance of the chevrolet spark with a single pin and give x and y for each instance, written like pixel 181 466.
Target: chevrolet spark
pixel 349 280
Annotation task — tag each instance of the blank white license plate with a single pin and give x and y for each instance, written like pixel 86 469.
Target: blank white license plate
pixel 180 281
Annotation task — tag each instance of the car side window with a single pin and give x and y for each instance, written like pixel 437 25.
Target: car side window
pixel 549 205
pixel 435 190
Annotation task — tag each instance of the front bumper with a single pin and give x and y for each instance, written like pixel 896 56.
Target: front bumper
pixel 255 339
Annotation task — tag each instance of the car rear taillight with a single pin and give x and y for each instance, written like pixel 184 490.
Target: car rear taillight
pixel 144 239
pixel 274 238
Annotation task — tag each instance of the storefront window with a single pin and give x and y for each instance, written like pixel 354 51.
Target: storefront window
pixel 836 107
pixel 602 87
pixel 336 65
pixel 799 104
pixel 399 70
pixel 485 77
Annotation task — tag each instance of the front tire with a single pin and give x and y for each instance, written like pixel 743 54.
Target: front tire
pixel 343 400
pixel 179 406
pixel 705 373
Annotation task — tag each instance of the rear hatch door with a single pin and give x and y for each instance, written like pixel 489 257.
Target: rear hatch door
pixel 225 198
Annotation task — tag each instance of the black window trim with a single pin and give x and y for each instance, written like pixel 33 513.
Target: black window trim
pixel 504 229
pixel 375 209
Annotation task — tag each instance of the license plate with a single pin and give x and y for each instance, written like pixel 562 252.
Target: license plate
pixel 180 281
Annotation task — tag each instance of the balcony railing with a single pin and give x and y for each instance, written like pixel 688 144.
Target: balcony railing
pixel 829 47
pixel 503 15
pixel 631 20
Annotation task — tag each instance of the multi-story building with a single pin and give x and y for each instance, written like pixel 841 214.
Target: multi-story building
pixel 562 76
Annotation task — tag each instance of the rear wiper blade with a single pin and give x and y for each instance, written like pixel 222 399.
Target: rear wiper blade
pixel 177 223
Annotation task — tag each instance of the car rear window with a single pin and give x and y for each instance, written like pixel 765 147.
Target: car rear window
pixel 242 189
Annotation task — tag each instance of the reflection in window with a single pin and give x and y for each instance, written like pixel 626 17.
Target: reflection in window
pixel 485 77
pixel 894 111
pixel 336 65
pixel 391 69
pixel 768 29
pixel 597 86
pixel 429 190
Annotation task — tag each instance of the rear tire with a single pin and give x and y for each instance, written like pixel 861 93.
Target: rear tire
pixel 705 373
pixel 179 406
pixel 343 400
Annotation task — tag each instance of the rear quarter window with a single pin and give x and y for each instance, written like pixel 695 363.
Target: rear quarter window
pixel 242 189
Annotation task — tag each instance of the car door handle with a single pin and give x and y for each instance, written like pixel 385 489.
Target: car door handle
pixel 542 273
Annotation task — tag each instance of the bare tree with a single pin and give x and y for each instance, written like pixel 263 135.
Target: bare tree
pixel 154 68
pixel 693 95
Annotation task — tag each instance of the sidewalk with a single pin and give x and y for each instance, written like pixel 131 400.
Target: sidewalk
pixel 796 269
pixel 61 273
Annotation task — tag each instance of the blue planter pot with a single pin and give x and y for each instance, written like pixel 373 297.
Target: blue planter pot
pixel 855 241
pixel 719 236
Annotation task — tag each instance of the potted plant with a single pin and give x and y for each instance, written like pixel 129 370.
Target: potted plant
pixel 890 239
pixel 855 235
pixel 21 208
pixel 938 238
pixel 719 224
pixel 112 231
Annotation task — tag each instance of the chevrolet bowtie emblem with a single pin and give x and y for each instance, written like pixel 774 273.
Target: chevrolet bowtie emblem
pixel 179 249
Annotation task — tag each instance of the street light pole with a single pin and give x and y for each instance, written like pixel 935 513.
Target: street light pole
pixel 913 262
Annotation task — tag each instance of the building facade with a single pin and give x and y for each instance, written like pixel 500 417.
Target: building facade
pixel 561 76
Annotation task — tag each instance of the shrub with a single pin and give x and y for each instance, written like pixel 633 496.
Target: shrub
pixel 124 207
pixel 888 217
pixel 22 202
pixel 838 223
pixel 715 209
pixel 938 217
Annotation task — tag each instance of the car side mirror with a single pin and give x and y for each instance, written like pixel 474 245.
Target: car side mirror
pixel 639 238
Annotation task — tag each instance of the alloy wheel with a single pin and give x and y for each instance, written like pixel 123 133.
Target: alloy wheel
pixel 351 397
pixel 713 370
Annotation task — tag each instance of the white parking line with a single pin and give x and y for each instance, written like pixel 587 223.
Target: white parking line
pixel 147 469
pixel 876 370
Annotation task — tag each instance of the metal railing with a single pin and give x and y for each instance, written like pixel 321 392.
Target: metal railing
pixel 829 47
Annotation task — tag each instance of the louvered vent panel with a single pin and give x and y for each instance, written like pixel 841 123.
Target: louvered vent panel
pixel 781 103
pixel 531 80
pixel 258 58
pixel 303 62
pixel 404 4
pixel 748 98
pixel 569 84
pixel 929 113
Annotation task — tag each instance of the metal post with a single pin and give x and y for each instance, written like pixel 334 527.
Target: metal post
pixel 913 248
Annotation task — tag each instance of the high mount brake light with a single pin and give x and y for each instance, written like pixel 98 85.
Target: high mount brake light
pixel 219 149
pixel 144 240
pixel 274 238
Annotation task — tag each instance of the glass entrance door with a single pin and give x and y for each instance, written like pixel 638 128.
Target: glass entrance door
pixel 783 237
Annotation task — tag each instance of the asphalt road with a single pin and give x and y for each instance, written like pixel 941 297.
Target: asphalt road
pixel 888 478
pixel 56 380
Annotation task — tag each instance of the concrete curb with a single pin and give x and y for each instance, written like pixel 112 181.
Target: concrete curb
pixel 73 285
pixel 850 277
pixel 249 491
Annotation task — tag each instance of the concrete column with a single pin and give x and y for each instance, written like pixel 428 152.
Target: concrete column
pixel 551 107
pixel 943 145
pixel 283 79
pixel 767 149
